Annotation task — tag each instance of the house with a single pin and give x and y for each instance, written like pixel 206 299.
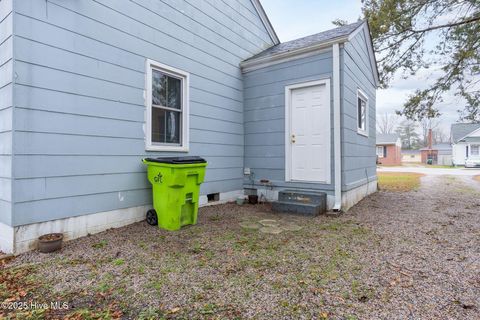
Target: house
pixel 89 88
pixel 411 156
pixel 440 154
pixel 465 138
pixel 389 149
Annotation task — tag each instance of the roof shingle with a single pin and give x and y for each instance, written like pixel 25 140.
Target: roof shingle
pixel 308 41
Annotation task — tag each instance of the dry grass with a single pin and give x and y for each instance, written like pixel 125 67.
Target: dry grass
pixel 399 181
pixel 477 178
pixel 214 270
pixel 387 258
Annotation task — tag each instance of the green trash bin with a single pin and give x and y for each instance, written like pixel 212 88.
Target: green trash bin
pixel 176 186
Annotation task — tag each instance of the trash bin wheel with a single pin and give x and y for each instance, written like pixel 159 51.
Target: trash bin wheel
pixel 152 218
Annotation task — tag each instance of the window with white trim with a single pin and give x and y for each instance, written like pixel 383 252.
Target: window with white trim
pixel 475 150
pixel 380 153
pixel 362 113
pixel 167 108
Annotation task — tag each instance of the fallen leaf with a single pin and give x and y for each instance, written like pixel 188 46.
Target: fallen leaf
pixel 174 310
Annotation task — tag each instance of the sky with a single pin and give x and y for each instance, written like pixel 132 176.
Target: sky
pixel 294 19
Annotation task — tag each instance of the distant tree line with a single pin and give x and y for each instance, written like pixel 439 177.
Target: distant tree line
pixel 413 134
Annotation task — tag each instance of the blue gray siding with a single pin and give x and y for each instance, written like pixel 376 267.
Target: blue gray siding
pixel 358 151
pixel 79 102
pixel 265 116
pixel 6 110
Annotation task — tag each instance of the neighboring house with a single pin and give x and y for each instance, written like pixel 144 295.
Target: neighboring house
pixel 389 149
pixel 441 154
pixel 465 138
pixel 411 156
pixel 89 88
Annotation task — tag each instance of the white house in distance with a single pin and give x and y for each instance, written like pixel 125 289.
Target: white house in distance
pixel 465 142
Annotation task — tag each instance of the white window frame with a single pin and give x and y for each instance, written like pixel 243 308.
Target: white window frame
pixel 364 97
pixel 185 138
pixel 382 154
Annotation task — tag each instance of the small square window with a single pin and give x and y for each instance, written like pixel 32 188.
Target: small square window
pixel 362 113
pixel 475 150
pixel 167 108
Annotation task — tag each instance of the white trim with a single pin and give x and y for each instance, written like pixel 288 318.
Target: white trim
pixel 266 22
pixel 288 125
pixel 362 95
pixel 337 122
pixel 149 146
pixel 262 62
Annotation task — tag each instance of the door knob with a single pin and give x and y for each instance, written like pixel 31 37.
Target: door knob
pixel 293 138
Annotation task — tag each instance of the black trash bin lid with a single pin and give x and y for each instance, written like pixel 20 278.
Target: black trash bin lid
pixel 177 160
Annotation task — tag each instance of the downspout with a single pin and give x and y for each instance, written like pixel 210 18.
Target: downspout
pixel 337 134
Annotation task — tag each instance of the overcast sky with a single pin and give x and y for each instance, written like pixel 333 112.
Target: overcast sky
pixel 294 19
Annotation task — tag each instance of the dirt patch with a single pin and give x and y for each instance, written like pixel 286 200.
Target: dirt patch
pixel 399 181
pixel 396 255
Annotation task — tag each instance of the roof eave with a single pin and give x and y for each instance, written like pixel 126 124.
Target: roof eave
pixel 262 62
pixel 266 21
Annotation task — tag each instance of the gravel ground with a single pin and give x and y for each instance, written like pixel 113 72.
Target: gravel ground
pixel 413 255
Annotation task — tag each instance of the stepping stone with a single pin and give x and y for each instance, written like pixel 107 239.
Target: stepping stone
pixel 271 230
pixel 291 227
pixel 250 225
pixel 269 223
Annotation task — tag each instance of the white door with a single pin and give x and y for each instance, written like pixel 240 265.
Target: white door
pixel 309 138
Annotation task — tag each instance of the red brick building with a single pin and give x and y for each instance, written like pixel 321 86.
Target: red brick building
pixel 389 149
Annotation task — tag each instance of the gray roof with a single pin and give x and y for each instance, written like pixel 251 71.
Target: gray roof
pixel 411 151
pixel 387 138
pixel 442 146
pixel 446 148
pixel 460 130
pixel 309 40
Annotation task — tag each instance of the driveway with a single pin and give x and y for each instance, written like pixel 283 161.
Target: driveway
pixel 432 171
pixel 395 255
